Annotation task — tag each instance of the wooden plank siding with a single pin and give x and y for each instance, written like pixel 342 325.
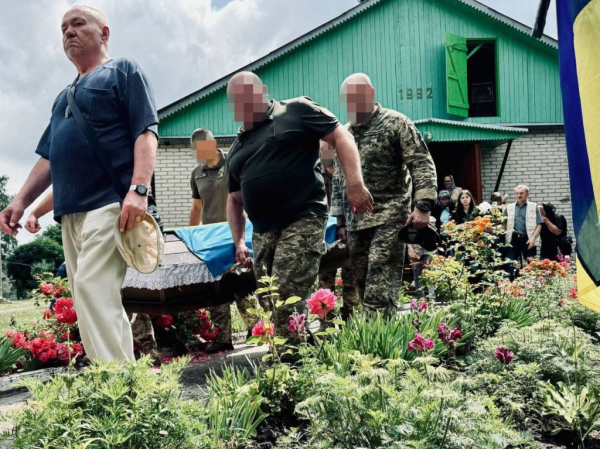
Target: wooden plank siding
pixel 400 44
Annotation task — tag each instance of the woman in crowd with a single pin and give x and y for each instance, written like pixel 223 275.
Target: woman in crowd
pixel 449 185
pixel 442 211
pixel 464 208
pixel 553 228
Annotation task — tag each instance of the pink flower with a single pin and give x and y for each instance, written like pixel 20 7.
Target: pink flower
pixel 503 355
pixel 322 302
pixel 448 336
pixel 423 306
pixel 64 353
pixel 297 323
pixel 48 314
pixel 262 329
pixel 414 304
pixel 573 293
pixel 420 344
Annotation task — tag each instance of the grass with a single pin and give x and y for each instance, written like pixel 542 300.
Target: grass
pixel 19 314
pixel 237 323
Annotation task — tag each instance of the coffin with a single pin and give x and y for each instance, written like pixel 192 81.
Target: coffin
pixel 183 282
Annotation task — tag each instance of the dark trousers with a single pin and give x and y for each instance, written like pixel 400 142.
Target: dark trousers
pixel 518 251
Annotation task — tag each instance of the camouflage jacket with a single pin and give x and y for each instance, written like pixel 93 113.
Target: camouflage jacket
pixel 396 166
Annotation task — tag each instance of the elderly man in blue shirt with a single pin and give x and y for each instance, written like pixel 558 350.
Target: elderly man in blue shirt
pixel 117 100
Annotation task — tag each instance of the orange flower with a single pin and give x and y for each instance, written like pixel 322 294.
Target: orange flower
pixel 480 229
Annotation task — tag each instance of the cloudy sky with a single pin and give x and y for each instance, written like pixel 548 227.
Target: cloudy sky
pixel 181 44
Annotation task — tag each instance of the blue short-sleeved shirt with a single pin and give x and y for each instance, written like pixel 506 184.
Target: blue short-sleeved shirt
pixel 117 100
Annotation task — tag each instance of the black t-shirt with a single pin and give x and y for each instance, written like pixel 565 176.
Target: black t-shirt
pixel 276 165
pixel 547 236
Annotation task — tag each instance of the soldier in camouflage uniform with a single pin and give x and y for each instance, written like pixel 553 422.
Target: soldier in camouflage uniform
pixel 397 166
pixel 274 176
pixel 209 205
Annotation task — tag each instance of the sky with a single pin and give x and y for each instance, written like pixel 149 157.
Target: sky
pixel 182 45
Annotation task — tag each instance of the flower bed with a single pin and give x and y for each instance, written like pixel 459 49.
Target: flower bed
pixel 500 365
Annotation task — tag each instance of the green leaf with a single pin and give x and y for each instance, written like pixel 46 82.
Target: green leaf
pixel 266 357
pixel 278 304
pixel 332 330
pixel 292 300
pixel 338 322
pixel 321 334
pixel 253 340
pixel 279 340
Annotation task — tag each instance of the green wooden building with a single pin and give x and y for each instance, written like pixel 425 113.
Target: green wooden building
pixel 484 94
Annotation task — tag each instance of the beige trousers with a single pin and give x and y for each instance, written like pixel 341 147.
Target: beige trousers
pixel 96 272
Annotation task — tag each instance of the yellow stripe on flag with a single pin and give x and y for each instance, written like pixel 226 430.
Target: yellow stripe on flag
pixel 589 294
pixel 586 32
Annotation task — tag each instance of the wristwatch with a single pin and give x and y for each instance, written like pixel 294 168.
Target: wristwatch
pixel 140 189
pixel 424 206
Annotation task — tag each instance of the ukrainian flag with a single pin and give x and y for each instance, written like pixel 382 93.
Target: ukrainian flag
pixel 579 44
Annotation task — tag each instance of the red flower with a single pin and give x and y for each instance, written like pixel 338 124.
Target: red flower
pixel 262 329
pixel 420 344
pixel 44 348
pixel 322 302
pixel 573 293
pixel 18 339
pixel 49 290
pixel 66 336
pixel 64 353
pixel 448 336
pixel 48 314
pixel 64 311
pixel 164 321
pixel 504 355
pixel 339 282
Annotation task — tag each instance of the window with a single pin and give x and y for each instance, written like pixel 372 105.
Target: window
pixel 471 77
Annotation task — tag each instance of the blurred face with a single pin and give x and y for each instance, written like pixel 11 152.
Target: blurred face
pixel 444 201
pixel 206 150
pixel 465 200
pixel 521 195
pixel 447 181
pixel 247 97
pixel 360 101
pixel 82 35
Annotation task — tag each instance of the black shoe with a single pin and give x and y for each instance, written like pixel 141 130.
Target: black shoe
pixel 218 347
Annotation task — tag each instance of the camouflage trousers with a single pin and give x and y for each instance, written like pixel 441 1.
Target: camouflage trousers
pixel 221 317
pixel 350 297
pixel 292 255
pixel 377 259
pixel 143 334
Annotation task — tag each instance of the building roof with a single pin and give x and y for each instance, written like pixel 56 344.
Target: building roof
pixel 222 82
pixel 439 130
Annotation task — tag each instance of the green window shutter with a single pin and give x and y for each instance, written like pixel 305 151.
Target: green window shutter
pixel 456 75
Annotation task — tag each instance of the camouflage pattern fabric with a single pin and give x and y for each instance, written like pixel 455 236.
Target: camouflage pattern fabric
pixel 293 255
pixel 221 317
pixel 143 334
pixel 396 166
pixel 327 280
pixel 350 294
pixel 377 259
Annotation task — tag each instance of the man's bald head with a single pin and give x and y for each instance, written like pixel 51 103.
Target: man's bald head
pixel 85 34
pixel 358 94
pixel 249 98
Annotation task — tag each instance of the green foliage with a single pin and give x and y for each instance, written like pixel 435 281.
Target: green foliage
pixel 547 343
pixel 9 356
pixel 24 256
pixel 53 232
pixel 569 409
pixel 385 338
pixel 41 268
pixel 375 409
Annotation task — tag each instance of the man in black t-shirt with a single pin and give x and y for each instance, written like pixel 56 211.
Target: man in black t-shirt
pixel 274 174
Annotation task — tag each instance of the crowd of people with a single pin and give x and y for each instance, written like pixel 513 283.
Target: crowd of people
pixel 291 165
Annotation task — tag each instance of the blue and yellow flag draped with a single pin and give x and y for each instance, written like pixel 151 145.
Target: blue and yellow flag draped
pixel 579 50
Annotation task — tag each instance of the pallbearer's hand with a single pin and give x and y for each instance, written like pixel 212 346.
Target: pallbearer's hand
pixel 242 255
pixel 360 199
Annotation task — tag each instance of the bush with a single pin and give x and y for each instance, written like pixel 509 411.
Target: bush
pixel 375 409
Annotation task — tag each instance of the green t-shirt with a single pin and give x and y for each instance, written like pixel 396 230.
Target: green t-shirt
pixel 276 165
pixel 209 184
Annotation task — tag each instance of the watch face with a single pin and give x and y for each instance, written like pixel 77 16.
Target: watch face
pixel 425 207
pixel 142 190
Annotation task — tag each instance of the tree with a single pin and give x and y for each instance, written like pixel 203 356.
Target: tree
pixel 19 263
pixel 7 242
pixel 53 232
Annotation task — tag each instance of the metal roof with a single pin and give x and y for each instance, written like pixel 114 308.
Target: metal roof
pixel 222 82
pixel 439 130
pixel 480 126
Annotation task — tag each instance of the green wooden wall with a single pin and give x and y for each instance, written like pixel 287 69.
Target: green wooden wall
pixel 400 44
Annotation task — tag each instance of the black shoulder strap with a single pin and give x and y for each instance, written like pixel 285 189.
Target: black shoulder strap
pixel 92 139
